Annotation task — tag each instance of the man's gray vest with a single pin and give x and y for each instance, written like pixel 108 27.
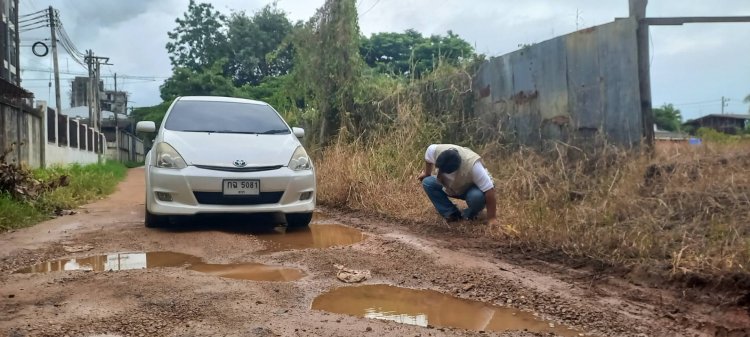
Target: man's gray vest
pixel 463 179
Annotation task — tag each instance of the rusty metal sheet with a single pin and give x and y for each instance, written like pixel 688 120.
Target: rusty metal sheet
pixel 551 78
pixel 583 80
pixel 619 62
pixel 575 85
pixel 521 68
pixel 502 79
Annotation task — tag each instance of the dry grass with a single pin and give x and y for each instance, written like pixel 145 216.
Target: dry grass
pixel 683 211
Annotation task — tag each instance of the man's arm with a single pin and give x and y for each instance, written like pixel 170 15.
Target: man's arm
pixel 491 201
pixel 427 171
pixel 429 163
pixel 483 181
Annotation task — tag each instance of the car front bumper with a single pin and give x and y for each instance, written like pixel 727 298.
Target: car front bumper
pixel 194 190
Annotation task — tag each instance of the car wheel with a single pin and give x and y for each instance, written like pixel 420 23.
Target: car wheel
pixel 297 220
pixel 155 221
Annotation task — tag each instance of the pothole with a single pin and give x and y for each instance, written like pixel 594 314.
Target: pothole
pixel 428 307
pixel 131 261
pixel 315 236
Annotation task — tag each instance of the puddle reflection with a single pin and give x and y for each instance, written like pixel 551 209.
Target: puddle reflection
pixel 316 236
pixel 423 307
pixel 131 261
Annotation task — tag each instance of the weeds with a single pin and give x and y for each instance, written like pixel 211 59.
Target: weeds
pixel 85 184
pixel 683 212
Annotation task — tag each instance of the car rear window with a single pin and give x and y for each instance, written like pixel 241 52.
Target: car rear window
pixel 224 117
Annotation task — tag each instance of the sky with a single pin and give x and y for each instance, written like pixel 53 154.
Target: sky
pixel 693 66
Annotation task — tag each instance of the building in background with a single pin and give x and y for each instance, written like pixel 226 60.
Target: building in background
pixel 21 126
pixel 115 101
pixel 727 123
pixel 9 42
pixel 110 100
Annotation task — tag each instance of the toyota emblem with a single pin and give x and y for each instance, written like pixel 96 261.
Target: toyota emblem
pixel 240 163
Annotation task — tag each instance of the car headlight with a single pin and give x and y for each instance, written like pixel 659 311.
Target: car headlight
pixel 167 157
pixel 300 160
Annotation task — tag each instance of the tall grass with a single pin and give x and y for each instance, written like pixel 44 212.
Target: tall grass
pixel 87 183
pixel 683 211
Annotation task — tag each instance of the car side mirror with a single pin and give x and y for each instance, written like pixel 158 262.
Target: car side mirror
pixel 298 132
pixel 146 126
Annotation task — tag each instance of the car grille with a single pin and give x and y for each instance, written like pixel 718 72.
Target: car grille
pixel 240 169
pixel 218 198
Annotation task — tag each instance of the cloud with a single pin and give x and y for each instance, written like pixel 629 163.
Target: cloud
pixel 690 63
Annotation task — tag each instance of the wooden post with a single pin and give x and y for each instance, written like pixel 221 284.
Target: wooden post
pixel 638 12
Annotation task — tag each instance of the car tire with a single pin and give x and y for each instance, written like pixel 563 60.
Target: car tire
pixel 155 221
pixel 298 220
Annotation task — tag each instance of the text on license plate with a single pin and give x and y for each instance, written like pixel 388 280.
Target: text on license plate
pixel 241 187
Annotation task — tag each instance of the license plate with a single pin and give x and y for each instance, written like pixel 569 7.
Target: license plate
pixel 241 187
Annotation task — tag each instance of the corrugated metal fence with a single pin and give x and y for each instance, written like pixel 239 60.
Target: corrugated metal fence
pixel 571 88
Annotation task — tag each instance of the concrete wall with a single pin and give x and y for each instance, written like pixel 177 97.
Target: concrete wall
pixel 65 155
pixel 21 129
pixel 70 142
pixel 572 88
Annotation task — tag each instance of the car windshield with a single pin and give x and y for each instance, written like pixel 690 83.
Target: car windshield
pixel 225 117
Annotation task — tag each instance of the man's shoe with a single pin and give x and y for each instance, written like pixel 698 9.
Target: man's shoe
pixel 456 216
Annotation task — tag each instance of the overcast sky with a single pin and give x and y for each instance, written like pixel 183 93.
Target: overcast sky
pixel 693 66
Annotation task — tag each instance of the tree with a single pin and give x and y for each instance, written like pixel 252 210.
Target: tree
pixel 410 52
pixel 199 40
pixel 668 118
pixel 328 65
pixel 391 52
pixel 450 49
pixel 256 45
pixel 209 81
pixel 747 100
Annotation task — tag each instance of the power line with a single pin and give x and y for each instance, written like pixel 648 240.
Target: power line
pixel 371 7
pixel 143 77
pixel 30 14
pixel 698 103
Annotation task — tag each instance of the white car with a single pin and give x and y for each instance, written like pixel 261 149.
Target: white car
pixel 215 155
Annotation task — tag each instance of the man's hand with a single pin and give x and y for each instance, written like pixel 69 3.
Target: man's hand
pixel 422 175
pixel 493 222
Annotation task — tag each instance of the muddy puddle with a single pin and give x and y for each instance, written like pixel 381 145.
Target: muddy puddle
pixel 131 261
pixel 316 236
pixel 427 307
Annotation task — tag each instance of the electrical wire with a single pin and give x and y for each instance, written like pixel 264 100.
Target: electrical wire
pixel 34 13
pixel 371 7
pixel 123 76
pixel 32 20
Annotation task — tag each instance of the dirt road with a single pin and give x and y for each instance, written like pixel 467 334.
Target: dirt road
pixel 101 273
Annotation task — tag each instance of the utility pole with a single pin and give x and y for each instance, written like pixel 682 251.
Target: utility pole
pixel 94 64
pixel 724 103
pixel 638 13
pixel 89 91
pixel 117 126
pixel 58 104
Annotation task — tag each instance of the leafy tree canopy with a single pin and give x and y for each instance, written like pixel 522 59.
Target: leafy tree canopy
pixel 257 47
pixel 410 52
pixel 199 40
pixel 668 118
pixel 210 81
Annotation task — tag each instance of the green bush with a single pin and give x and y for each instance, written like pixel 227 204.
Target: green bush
pixel 711 135
pixel 86 184
pixel 17 214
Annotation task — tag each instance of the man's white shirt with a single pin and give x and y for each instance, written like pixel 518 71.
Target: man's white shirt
pixel 479 173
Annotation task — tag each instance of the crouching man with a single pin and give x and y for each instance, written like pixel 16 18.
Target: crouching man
pixel 460 175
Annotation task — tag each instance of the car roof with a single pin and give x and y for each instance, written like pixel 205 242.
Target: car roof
pixel 220 99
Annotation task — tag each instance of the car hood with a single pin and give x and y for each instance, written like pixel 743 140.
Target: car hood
pixel 223 149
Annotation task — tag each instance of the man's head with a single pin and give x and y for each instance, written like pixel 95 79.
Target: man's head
pixel 449 161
